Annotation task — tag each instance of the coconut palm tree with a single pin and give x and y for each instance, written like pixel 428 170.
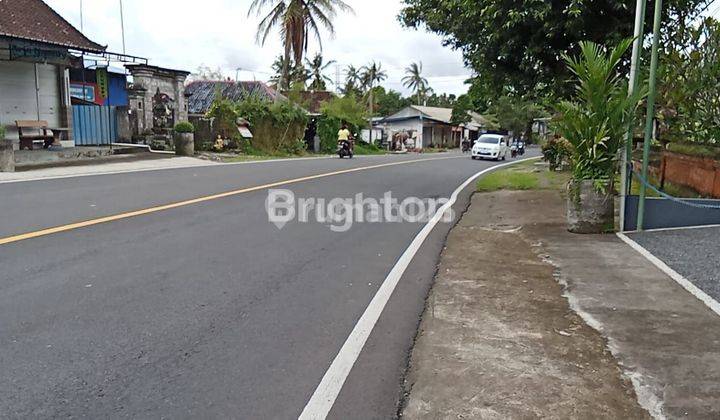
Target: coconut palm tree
pixel 296 21
pixel 352 80
pixel 316 68
pixel 415 81
pixel 370 75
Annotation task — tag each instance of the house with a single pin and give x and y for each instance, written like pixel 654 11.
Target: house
pixel 37 49
pixel 430 126
pixel 202 93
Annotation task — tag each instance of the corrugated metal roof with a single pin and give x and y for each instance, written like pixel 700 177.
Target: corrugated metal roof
pixel 443 115
pixel 201 93
pixel 33 20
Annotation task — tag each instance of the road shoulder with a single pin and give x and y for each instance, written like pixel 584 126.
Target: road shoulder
pixel 527 320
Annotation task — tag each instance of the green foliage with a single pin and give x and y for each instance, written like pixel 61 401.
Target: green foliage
pixel 184 127
pixel 2 132
pixel 515 114
pixel 389 102
pixel 461 110
pixel 596 120
pixel 688 88
pixel 516 46
pixel 556 151
pixel 225 117
pixel 341 110
pixel 362 148
pixel 441 101
pixel 277 127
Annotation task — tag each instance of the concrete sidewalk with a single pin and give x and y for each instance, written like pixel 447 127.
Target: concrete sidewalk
pixel 125 165
pixel 507 331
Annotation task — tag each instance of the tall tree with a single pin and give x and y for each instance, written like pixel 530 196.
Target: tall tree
pixel 352 80
pixel 204 72
pixel 296 20
pixel 316 68
pixel 515 47
pixel 414 80
pixel 372 74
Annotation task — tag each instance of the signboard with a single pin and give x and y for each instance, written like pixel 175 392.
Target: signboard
pixel 102 82
pixel 86 92
pixel 38 54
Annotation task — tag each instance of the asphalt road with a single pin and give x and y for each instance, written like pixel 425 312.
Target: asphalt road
pixel 693 253
pixel 208 310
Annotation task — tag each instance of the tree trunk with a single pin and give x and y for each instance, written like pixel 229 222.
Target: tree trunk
pixel 285 82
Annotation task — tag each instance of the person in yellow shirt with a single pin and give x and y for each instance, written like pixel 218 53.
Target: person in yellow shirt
pixel 345 135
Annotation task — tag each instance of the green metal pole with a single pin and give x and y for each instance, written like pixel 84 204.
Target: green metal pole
pixel 634 81
pixel 650 118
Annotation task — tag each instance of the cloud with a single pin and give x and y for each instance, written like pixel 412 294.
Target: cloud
pixel 218 33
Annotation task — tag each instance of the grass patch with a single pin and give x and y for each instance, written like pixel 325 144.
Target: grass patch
pixel 698 150
pixel 362 148
pixel 250 158
pixel 522 177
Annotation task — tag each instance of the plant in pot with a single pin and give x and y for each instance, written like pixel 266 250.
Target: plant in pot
pixel 595 122
pixel 184 139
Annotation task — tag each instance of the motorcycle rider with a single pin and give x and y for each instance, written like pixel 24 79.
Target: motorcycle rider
pixel 345 135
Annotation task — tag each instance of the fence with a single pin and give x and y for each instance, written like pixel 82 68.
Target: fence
pixel 94 125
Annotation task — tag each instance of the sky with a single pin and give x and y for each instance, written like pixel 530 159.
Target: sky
pixel 183 34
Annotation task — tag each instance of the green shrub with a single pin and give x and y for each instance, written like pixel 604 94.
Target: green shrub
pixel 184 127
pixel 597 118
pixel 556 151
pixel 2 132
pixel 362 148
pixel 278 128
pixel 346 110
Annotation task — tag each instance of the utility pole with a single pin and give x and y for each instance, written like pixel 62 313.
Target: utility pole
pixel 81 17
pixel 122 26
pixel 634 80
pixel 650 117
pixel 337 78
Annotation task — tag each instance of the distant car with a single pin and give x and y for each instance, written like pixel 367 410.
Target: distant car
pixel 490 146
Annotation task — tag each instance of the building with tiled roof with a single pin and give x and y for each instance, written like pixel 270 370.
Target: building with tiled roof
pixel 37 49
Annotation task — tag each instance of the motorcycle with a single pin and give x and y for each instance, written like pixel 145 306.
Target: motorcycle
pixel 345 149
pixel 466 147
pixel 513 151
pixel 521 149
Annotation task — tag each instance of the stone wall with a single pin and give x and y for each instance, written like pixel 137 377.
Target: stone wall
pixel 149 82
pixel 700 174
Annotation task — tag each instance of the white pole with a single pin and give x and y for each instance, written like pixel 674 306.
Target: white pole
pixel 122 26
pixel 81 17
pixel 634 67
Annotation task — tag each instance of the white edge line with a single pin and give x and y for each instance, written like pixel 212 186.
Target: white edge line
pixel 675 228
pixel 332 382
pixel 125 171
pixel 682 281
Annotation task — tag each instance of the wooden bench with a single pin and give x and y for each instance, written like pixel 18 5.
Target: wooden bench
pixel 31 131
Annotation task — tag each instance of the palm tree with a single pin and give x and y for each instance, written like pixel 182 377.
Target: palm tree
pixel 296 20
pixel 414 80
pixel 371 74
pixel 315 69
pixel 352 79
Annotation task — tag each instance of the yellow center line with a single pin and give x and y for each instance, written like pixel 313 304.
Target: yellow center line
pixel 127 215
